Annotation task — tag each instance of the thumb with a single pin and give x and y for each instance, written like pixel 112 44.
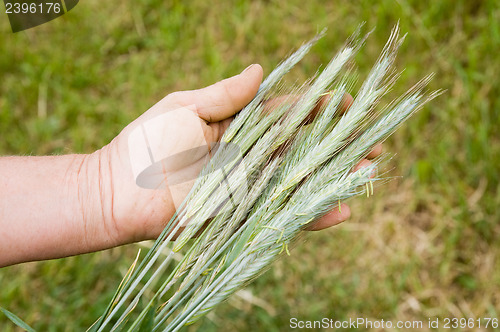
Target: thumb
pixel 225 98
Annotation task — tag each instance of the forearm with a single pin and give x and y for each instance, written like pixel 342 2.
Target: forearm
pixel 51 207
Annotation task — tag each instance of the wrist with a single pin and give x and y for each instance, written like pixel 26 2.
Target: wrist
pixel 53 207
pixel 94 186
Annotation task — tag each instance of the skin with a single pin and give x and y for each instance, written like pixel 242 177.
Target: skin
pixel 58 206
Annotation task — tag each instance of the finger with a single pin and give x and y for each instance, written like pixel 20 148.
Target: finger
pixel 361 164
pixel 223 125
pixel 197 234
pixel 225 98
pixel 345 103
pixel 377 150
pixel 218 129
pixel 323 101
pixel 364 163
pixel 334 217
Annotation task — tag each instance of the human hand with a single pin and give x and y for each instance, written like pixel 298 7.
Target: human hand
pixel 192 121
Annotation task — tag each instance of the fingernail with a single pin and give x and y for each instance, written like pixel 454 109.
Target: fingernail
pixel 247 68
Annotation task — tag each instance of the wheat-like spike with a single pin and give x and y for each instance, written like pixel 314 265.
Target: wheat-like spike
pixel 369 94
pixel 271 80
pixel 380 130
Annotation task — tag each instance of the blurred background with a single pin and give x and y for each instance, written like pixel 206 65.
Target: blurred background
pixel 426 245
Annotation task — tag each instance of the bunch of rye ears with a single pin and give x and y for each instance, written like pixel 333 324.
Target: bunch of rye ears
pixel 272 175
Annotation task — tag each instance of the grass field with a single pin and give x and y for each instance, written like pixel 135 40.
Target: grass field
pixel 427 245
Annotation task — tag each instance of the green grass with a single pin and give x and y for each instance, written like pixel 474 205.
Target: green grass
pixel 426 245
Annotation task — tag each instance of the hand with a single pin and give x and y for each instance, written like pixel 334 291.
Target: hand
pixel 132 213
pixel 57 206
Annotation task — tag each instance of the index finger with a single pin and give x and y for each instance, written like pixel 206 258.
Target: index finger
pixel 322 102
